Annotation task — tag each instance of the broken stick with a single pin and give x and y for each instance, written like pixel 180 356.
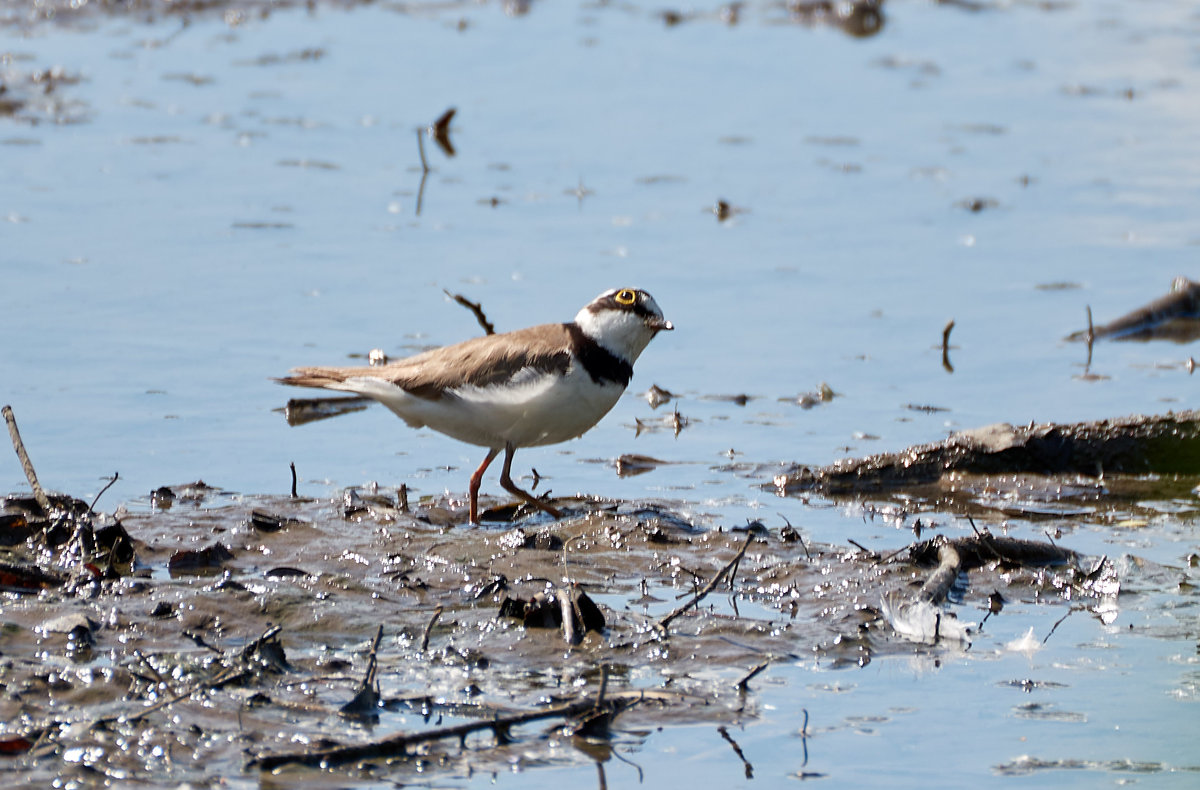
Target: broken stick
pixel 27 465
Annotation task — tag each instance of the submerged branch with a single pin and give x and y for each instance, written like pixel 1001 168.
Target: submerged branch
pixel 398 745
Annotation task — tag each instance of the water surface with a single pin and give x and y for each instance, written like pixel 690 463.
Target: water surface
pixel 213 203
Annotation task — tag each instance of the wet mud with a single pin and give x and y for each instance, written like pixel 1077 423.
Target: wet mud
pixel 210 633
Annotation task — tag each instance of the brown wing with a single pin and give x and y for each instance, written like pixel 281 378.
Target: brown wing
pixel 480 361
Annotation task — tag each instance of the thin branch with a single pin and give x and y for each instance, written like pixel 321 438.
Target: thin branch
pixel 1091 338
pixel 1054 628
pixel 397 745
pixel 429 628
pixel 27 465
pixel 424 170
pixel 712 584
pixel 421 150
pixel 946 346
pixel 744 683
pixel 737 750
pixel 108 485
pixel 475 308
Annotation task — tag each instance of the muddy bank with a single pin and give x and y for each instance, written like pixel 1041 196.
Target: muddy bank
pixel 239 625
pixel 1135 445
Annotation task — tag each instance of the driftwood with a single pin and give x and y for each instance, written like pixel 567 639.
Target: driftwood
pixel 1175 316
pixel 984 547
pixel 1167 444
pixel 920 618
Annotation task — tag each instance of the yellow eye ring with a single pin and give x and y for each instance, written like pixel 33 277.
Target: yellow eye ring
pixel 625 297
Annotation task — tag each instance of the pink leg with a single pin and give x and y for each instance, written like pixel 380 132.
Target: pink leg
pixel 511 487
pixel 477 479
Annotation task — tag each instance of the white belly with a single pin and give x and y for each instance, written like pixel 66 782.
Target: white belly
pixel 530 411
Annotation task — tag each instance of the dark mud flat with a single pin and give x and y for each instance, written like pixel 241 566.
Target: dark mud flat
pixel 236 634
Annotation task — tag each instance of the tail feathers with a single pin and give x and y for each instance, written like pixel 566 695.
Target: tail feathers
pixel 321 378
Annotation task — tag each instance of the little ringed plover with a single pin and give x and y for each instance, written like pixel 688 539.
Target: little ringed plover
pixel 526 388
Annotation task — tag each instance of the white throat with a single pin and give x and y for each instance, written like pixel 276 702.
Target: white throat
pixel 621 332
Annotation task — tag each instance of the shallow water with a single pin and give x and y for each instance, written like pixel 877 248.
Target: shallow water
pixel 215 202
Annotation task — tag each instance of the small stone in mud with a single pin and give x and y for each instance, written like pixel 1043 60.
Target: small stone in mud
pixel 262 521
pixel 520 539
pixel 285 573
pixel 78 624
pixel 162 497
pixel 114 539
pixel 209 559
pixel 545 610
pixel 163 610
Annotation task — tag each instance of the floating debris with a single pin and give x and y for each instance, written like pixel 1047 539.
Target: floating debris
pixel 823 394
pixel 656 396
pixel 632 464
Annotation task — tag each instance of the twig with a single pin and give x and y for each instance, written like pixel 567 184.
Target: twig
pixel 421 150
pixel 402 497
pixel 398 744
pixel 804 737
pixel 424 170
pixel 366 699
pixel 27 465
pixel 861 547
pixel 737 750
pixel 293 466
pixel 946 347
pixel 882 560
pixel 799 537
pixel 744 683
pixel 712 584
pixel 1091 338
pixel 141 657
pixel 108 485
pixel 429 628
pixel 1054 628
pixel 603 685
pixel 475 308
pixel 563 597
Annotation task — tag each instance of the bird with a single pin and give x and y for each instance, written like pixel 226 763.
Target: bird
pixel 526 388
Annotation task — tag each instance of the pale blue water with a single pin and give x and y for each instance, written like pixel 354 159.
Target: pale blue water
pixel 231 207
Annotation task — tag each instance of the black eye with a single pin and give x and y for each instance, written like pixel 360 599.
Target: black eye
pixel 625 297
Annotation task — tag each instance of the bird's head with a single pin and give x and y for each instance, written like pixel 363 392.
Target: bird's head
pixel 623 320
